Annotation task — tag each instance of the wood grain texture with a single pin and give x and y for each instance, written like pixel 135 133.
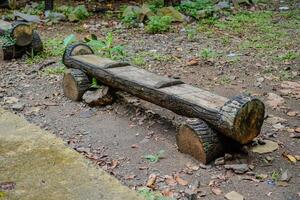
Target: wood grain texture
pixel 239 118
pixel 75 83
pixel 197 139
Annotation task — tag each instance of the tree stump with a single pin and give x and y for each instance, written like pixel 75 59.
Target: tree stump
pixel 22 33
pixel 197 139
pixel 75 84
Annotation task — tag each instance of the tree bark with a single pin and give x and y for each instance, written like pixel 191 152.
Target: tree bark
pixel 49 4
pixel 197 139
pixel 21 32
pixel 75 83
pixel 239 118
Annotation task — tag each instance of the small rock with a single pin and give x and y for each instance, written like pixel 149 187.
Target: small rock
pixel 11 100
pixel 18 106
pixel 172 12
pixel 274 100
pixel 220 161
pixel 99 97
pixel 238 168
pixel 297 130
pixel 292 113
pixel 223 5
pixel 286 177
pixel 233 195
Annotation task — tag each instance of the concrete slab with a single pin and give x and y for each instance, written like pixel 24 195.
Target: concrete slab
pixel 34 164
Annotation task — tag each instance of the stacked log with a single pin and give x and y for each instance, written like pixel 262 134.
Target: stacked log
pixel 218 119
pixel 18 38
pixel 12 4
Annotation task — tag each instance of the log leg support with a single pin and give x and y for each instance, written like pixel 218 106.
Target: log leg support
pixel 75 84
pixel 197 139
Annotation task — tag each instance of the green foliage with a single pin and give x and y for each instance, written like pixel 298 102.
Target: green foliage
pixel 53 47
pixel 191 8
pixel 36 9
pixel 289 56
pixel 149 195
pixel 74 13
pixel 275 175
pixel 6 39
pixel 130 20
pixel 54 70
pixel 191 33
pixel 154 5
pixel 155 158
pixel 225 80
pixel 158 24
pixel 286 75
pixel 208 54
pixel 106 47
pixel 70 39
pixel 95 84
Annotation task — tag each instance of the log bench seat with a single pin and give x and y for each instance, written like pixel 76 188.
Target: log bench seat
pixel 239 118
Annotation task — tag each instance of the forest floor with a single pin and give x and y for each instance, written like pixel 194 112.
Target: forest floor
pixel 257 53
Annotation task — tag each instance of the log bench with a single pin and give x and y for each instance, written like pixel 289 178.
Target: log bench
pixel 23 38
pixel 239 118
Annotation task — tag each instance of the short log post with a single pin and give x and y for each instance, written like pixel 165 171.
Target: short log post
pixel 75 84
pixel 200 141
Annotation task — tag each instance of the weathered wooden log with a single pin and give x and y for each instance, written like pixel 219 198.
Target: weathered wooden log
pixel 11 52
pixel 239 118
pixel 12 4
pixel 14 51
pixel 21 32
pixel 75 83
pixel 200 141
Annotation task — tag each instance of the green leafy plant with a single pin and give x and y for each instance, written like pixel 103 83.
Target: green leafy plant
pixel 191 33
pixel 34 9
pixel 191 8
pixel 275 175
pixel 289 56
pixel 155 158
pixel 158 24
pixel 130 20
pixel 6 39
pixel 54 70
pixel 208 54
pixel 106 47
pixel 95 84
pixel 150 195
pixel 74 13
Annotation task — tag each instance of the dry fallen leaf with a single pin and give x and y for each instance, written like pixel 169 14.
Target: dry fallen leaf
pixel 180 181
pixel 192 62
pixel 291 158
pixel 297 130
pixel 170 180
pixel 268 147
pixel 216 191
pixel 151 181
pixel 114 164
pixel 274 100
pixel 130 177
pixel 167 193
pixel 290 88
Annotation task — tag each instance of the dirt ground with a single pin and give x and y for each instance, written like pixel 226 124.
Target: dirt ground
pixel 117 137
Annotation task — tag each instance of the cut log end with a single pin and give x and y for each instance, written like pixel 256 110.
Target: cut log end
pixel 245 115
pixel 23 34
pixel 75 50
pixel 197 139
pixel 75 83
